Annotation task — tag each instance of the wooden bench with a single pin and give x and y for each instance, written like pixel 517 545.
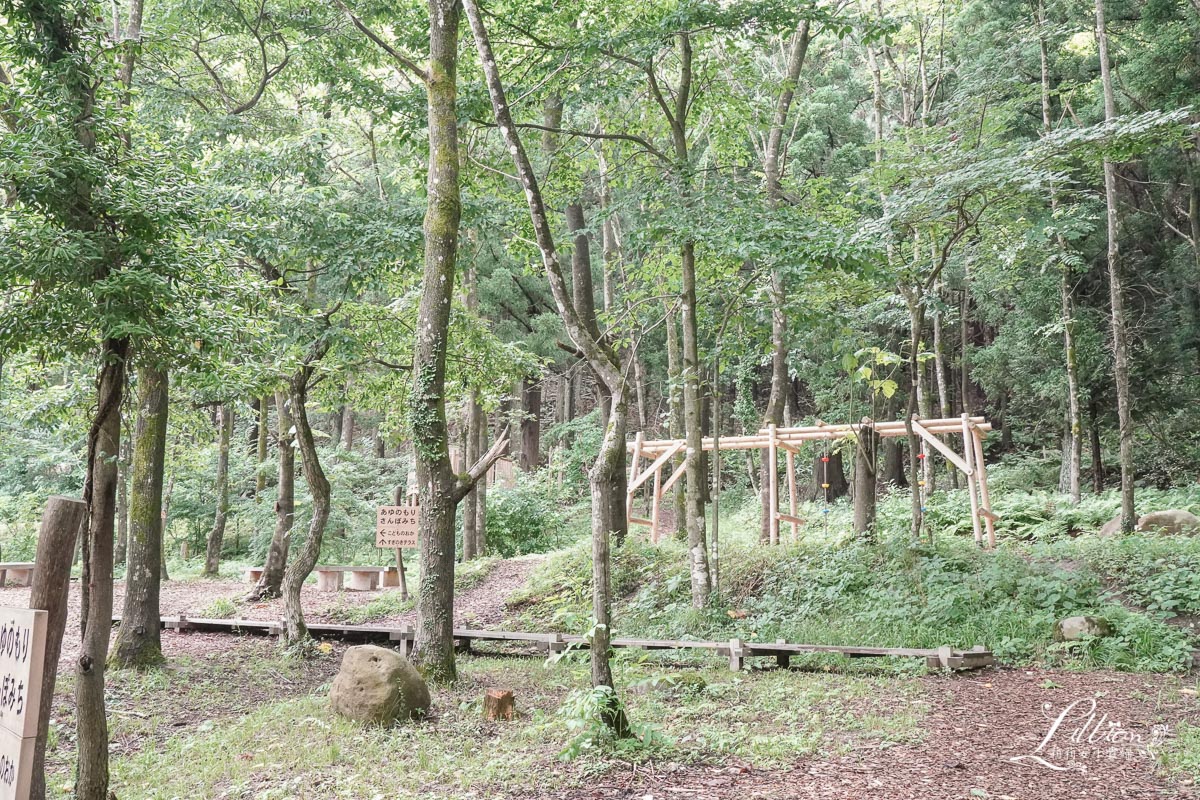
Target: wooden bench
pixel 20 572
pixel 362 579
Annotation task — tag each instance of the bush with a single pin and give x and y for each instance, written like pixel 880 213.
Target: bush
pixel 527 518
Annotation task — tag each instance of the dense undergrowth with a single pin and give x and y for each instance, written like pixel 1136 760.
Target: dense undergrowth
pixel 830 587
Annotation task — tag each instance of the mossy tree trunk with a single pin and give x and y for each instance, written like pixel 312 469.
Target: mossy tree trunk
pixel 216 537
pixel 270 584
pixel 138 643
pixel 434 645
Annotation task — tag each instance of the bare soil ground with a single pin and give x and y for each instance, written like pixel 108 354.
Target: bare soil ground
pixel 977 724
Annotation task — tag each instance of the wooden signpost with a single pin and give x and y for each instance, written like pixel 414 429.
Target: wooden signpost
pixel 22 653
pixel 396 526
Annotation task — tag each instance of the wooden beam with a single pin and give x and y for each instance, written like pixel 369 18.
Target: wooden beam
pixel 773 483
pixel 656 466
pixel 654 505
pixel 676 475
pixel 985 500
pixel 791 470
pixel 968 451
pixel 634 463
pixel 938 445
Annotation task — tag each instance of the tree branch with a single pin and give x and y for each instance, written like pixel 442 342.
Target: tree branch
pixel 403 60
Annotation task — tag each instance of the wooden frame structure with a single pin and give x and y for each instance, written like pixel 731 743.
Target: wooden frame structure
pixel 772 439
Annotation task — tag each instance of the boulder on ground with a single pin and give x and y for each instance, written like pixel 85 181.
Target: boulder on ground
pixel 1112 527
pixel 1072 629
pixel 1171 522
pixel 377 685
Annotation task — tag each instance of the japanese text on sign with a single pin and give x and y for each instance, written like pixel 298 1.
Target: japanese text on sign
pixel 396 526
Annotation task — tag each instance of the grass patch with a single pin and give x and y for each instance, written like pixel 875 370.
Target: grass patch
pixel 298 748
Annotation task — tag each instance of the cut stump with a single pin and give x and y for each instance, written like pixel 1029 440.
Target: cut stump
pixel 498 704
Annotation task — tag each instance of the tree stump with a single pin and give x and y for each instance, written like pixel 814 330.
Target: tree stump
pixel 498 704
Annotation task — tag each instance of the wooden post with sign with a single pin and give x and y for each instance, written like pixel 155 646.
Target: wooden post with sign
pixel 395 529
pixel 57 535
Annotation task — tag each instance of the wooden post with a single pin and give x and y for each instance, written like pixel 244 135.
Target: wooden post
pixel 773 482
pixel 634 463
pixel 655 504
pixel 59 530
pixel 498 704
pixel 791 469
pixel 969 458
pixel 985 499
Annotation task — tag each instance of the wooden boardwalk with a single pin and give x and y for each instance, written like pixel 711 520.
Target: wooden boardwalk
pixel 736 650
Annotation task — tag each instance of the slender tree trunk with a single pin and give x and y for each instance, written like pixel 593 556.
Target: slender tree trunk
pixel 675 412
pixel 531 423
pixel 216 537
pixel 347 437
pixel 1116 290
pixel 138 643
pixel 270 584
pixel 301 567
pixel 434 646
pixel 916 477
pixel 471 454
pixel 481 487
pixel 1073 444
pixel 773 164
pixel 100 494
pixel 123 504
pixel 260 471
pixel 1096 447
pixel 607 474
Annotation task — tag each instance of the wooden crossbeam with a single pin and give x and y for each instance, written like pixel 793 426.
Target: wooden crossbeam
pixel 940 446
pixel 654 467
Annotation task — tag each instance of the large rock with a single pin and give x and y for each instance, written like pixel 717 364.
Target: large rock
pixel 378 685
pixel 1171 522
pixel 1072 629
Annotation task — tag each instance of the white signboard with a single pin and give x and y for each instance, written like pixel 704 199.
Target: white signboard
pixel 396 526
pixel 22 654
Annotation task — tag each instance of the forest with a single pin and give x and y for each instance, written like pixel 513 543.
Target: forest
pixel 269 267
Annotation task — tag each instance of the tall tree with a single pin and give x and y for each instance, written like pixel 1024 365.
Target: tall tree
pixel 1116 289
pixel 216 537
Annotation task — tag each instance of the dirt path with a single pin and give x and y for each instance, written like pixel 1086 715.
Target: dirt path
pixel 482 605
pixel 976 725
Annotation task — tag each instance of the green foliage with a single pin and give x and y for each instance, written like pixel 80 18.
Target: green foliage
pixel 527 518
pixel 588 715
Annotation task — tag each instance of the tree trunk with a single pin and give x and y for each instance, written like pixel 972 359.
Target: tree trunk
pixel 100 494
pixel 301 567
pixel 607 474
pixel 123 504
pixel 865 459
pixel 434 645
pixel 1116 290
pixel 471 454
pixel 270 584
pixel 216 537
pixel 1073 443
pixel 675 414
pixel 916 477
pixel 481 487
pixel 347 437
pixel 260 471
pixel 531 423
pixel 773 164
pixel 138 643
pixel 1097 449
